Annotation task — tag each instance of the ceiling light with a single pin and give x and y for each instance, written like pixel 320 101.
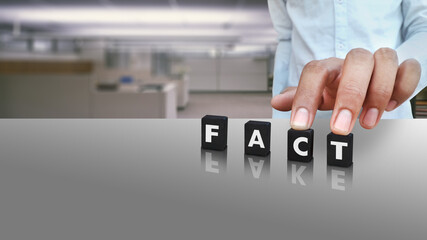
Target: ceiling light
pixel 89 15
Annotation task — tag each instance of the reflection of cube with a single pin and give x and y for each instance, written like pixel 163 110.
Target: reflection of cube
pixel 214 132
pixel 340 150
pixel 300 145
pixel 340 178
pixel 257 167
pixel 214 161
pixel 257 138
pixel 300 173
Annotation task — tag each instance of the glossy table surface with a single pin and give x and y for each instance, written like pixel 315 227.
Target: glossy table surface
pixel 149 179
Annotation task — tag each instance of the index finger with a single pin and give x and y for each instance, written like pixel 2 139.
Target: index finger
pixel 308 97
pixel 351 93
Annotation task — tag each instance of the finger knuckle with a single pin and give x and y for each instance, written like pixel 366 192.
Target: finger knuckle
pixel 352 90
pixel 317 67
pixel 333 59
pixel 360 53
pixel 413 64
pixel 382 93
pixel 386 53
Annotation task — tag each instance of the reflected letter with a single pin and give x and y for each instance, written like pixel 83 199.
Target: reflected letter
pixel 257 167
pixel 300 173
pixel 214 161
pixel 340 179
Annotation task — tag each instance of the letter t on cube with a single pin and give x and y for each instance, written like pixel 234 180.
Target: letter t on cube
pixel 340 150
pixel 214 132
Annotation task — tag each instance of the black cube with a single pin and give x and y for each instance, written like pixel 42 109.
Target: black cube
pixel 340 150
pixel 300 145
pixel 257 138
pixel 214 132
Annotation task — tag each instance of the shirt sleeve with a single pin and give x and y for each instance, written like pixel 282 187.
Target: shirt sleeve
pixel 414 32
pixel 283 25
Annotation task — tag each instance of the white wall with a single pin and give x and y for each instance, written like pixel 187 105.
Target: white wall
pixel 227 74
pixel 243 74
pixel 203 73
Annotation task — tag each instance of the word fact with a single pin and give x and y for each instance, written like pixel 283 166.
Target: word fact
pixel 258 141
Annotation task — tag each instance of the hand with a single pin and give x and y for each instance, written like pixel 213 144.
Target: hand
pixel 363 81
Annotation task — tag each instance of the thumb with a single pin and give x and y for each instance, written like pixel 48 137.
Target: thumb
pixel 283 101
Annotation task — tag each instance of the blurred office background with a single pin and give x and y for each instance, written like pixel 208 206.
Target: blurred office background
pixel 135 58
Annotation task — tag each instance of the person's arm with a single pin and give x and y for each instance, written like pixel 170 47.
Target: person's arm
pixel 283 26
pixel 415 35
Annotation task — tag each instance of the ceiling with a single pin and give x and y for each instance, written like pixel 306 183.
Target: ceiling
pixel 143 3
pixel 229 22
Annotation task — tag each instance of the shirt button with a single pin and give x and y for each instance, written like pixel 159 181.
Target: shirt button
pixel 340 1
pixel 340 46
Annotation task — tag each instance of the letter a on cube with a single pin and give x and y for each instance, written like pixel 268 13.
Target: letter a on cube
pixel 257 138
pixel 214 132
pixel 340 150
pixel 300 145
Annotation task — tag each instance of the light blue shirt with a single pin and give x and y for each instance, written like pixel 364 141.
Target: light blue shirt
pixel 318 29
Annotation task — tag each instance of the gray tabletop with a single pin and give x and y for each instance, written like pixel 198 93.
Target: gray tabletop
pixel 149 179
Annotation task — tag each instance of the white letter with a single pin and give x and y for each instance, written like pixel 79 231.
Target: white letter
pixel 210 164
pixel 296 146
pixel 256 167
pixel 209 134
pixel 336 180
pixel 256 135
pixel 338 147
pixel 296 175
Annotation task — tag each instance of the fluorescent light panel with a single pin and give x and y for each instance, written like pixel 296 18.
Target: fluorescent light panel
pixel 91 15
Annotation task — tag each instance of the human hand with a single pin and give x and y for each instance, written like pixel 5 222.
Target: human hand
pixel 371 83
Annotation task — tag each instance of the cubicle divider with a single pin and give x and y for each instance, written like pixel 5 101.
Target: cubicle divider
pixel 67 90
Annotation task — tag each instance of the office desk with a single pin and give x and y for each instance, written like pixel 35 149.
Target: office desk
pixel 158 103
pixel 149 179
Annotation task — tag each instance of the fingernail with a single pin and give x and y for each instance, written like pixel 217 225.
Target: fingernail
pixel 391 105
pixel 343 121
pixel 300 121
pixel 371 117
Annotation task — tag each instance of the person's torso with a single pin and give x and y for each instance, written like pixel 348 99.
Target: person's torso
pixel 331 28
